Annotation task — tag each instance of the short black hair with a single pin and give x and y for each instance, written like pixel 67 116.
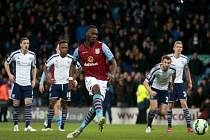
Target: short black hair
pixel 91 27
pixel 23 38
pixel 166 57
pixel 62 41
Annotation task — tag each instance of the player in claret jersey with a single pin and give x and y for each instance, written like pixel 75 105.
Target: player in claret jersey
pixel 93 56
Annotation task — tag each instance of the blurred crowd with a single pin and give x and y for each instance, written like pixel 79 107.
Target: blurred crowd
pixel 138 33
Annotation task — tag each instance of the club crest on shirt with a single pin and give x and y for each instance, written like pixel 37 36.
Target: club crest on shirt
pixel 90 59
pixel 97 51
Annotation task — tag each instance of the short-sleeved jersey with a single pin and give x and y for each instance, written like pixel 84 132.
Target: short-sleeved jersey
pixel 23 64
pixel 93 59
pixel 180 64
pixel 61 67
pixel 160 79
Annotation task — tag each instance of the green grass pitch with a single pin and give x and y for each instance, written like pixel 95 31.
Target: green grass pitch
pixel 111 132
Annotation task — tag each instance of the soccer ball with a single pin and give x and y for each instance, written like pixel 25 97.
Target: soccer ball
pixel 200 126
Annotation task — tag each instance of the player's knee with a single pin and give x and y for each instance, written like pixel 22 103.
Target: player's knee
pixel 96 89
pixel 16 103
pixel 28 102
pixel 52 103
pixel 163 112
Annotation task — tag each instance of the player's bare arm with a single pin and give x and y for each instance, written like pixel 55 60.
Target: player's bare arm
pixel 73 74
pixel 151 92
pixel 11 76
pixel 48 75
pixel 33 82
pixel 113 69
pixel 188 77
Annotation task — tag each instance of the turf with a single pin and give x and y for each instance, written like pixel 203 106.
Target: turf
pixel 111 132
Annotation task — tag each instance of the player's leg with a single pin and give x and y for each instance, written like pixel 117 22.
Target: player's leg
pixel 170 116
pixel 182 96
pixel 64 114
pixel 186 115
pixel 57 112
pixel 28 114
pixel 90 116
pixel 28 96
pixel 16 104
pixel 151 115
pixel 65 97
pixel 98 89
pixel 53 97
pixel 171 100
pixel 16 96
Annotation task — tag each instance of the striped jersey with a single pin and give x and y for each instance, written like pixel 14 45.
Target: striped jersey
pixel 160 79
pixel 61 67
pixel 179 64
pixel 23 64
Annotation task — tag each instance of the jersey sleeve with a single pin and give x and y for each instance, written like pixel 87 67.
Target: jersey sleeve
pixel 11 58
pixel 42 79
pixel 34 61
pixel 50 61
pixel 151 74
pixel 107 52
pixel 78 66
pixel 76 56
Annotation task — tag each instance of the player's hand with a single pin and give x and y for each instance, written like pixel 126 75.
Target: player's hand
pixel 33 83
pixel 12 78
pixel 73 84
pixel 189 86
pixel 110 78
pixel 41 88
pixel 171 88
pixel 152 93
pixel 50 81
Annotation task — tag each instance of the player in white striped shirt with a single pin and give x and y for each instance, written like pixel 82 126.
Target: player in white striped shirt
pixel 25 61
pixel 157 82
pixel 179 93
pixel 59 82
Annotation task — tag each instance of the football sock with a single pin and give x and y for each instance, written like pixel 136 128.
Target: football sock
pixel 169 117
pixel 97 101
pixel 187 116
pixel 15 114
pixel 50 116
pixel 64 115
pixel 90 116
pixel 151 115
pixel 28 115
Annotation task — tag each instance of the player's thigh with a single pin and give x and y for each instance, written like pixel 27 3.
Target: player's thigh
pixel 65 95
pixel 55 92
pixel 16 92
pixel 163 98
pixel 27 93
pixel 103 87
pixel 89 83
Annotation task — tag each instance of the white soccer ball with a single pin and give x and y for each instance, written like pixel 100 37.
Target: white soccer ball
pixel 200 126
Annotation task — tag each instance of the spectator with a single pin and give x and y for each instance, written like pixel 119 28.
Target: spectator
pixel 143 103
pixel 196 68
pixel 4 97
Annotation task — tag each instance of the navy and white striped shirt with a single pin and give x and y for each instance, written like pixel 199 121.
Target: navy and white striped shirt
pixel 23 63
pixel 160 79
pixel 61 67
pixel 180 63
